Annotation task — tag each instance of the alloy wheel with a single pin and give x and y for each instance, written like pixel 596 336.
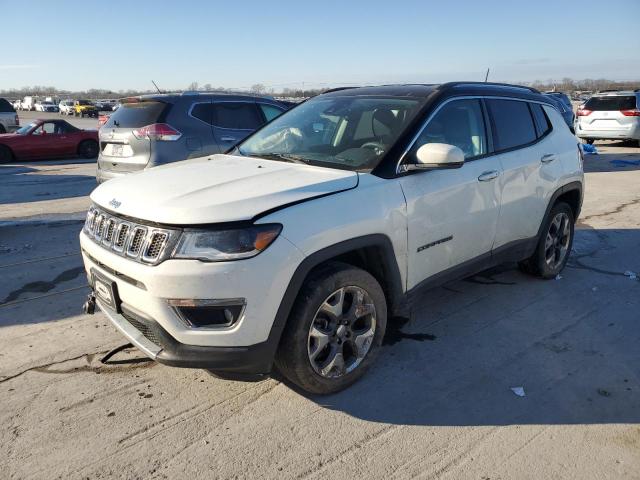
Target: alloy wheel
pixel 342 332
pixel 557 241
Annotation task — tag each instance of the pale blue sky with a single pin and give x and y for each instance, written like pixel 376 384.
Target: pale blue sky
pixel 124 44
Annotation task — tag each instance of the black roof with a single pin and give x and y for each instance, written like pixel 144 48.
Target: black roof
pixel 453 88
pixel 170 97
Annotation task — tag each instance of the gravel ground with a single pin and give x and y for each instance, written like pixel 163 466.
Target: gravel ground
pixel 437 405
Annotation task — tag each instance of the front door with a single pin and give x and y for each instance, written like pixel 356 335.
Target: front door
pixel 453 213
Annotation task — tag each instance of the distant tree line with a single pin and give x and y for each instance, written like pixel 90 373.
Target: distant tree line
pixel 564 85
pixel 588 84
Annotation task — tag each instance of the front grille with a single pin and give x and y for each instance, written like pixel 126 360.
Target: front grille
pixel 143 243
pixel 137 238
pixel 155 246
pixel 144 329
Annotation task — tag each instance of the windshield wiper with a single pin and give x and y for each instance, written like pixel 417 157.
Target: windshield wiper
pixel 279 156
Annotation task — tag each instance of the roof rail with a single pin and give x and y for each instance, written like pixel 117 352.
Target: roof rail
pixel 337 89
pixel 489 84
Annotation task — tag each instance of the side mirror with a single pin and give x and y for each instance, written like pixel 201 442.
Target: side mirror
pixel 433 156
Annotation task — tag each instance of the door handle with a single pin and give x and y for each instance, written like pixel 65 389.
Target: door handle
pixel 228 139
pixel 488 176
pixel 548 158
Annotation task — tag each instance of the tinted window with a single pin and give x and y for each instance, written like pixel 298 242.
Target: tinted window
pixel 540 118
pixel 513 123
pixel 270 112
pixel 458 123
pixel 5 106
pixel 611 103
pixel 203 111
pixel 136 114
pixel 236 115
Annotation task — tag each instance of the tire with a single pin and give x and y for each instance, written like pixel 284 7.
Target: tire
pixel 554 244
pixel 328 372
pixel 88 149
pixel 6 155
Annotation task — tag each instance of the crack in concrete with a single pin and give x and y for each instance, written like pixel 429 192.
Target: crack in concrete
pixel 618 209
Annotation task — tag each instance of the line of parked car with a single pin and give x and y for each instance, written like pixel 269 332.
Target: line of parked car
pixel 152 130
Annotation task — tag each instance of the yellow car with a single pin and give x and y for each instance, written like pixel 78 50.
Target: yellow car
pixel 84 108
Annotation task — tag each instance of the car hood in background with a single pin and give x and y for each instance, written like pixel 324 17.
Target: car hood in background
pixel 216 189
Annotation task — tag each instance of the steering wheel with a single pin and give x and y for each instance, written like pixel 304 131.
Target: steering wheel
pixel 377 147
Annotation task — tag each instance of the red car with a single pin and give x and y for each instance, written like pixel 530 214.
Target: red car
pixel 48 139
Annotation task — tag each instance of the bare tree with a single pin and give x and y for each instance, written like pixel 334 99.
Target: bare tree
pixel 258 88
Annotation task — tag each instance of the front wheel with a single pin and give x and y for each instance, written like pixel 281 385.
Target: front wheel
pixel 554 244
pixel 334 331
pixel 5 154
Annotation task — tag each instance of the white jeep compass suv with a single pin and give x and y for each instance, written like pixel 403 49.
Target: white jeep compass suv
pixel 297 246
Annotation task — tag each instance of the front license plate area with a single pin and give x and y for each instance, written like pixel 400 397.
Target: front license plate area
pixel 106 291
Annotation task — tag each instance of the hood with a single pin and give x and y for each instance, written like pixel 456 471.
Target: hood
pixel 216 189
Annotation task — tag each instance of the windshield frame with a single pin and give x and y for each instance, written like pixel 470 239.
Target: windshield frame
pixel 421 103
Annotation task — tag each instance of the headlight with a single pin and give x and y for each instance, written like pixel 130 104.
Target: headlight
pixel 222 245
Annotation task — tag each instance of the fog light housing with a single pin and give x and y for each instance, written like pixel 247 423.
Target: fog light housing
pixel 207 314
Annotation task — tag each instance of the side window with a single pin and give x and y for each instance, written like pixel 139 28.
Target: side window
pixel 543 126
pixel 269 111
pixel 236 115
pixel 513 123
pixel 458 123
pixel 203 111
pixel 48 128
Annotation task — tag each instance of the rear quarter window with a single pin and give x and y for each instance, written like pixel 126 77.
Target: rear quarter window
pixel 543 126
pixel 611 103
pixel 513 123
pixel 136 114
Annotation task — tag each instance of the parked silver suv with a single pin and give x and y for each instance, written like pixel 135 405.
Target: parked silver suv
pixel 8 117
pixel 153 130
pixel 610 116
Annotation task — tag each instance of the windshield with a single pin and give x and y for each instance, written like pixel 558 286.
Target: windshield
pixel 24 130
pixel 84 102
pixel 351 133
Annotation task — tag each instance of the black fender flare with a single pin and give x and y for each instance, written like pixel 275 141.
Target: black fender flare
pixel 395 291
pixel 569 187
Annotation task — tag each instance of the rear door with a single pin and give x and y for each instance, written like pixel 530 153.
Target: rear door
pixel 120 149
pixel 607 114
pixel 233 120
pixel 523 139
pixel 200 140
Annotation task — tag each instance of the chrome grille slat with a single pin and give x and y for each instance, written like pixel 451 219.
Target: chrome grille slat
pixel 141 243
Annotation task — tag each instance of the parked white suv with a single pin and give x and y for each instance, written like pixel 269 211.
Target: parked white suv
pixel 302 242
pixel 610 116
pixel 66 107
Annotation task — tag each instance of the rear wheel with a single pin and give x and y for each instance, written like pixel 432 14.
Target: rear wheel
pixel 334 331
pixel 554 244
pixel 6 155
pixel 88 149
